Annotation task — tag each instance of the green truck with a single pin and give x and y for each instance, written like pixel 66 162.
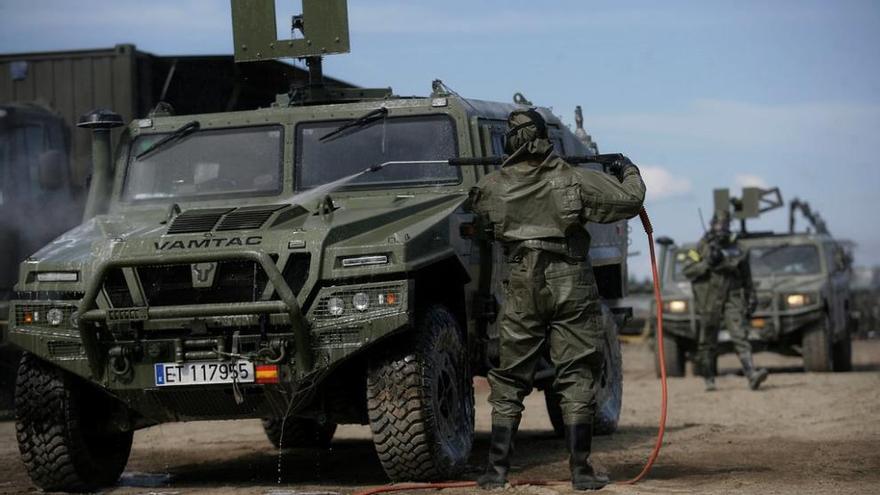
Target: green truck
pixel 243 265
pixel 802 280
pixel 45 167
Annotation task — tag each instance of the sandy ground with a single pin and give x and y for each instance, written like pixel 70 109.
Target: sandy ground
pixel 803 433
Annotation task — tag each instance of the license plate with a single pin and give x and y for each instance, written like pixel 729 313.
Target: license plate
pixel 206 373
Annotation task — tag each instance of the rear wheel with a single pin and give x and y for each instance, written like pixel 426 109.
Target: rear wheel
pixel 673 354
pixel 298 433
pixel 610 397
pixel 420 399
pixel 816 347
pixel 62 430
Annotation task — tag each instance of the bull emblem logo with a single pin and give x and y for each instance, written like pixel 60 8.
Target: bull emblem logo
pixel 203 275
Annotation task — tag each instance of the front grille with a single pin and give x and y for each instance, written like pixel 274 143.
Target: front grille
pixel 117 290
pixel 248 217
pixel 197 220
pixel 172 285
pixel 296 271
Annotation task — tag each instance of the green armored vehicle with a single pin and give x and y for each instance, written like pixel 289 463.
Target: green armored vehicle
pixel 241 265
pixel 802 285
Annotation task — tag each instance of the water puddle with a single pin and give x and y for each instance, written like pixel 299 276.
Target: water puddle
pixel 145 480
pixel 298 492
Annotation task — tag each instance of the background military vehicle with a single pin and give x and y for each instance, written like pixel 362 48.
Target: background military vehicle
pixel 865 289
pixel 802 284
pixel 45 167
pixel 242 265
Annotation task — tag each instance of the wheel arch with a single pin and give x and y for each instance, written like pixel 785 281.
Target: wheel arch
pixel 443 282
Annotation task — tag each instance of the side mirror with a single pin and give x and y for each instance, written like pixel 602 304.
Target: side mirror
pixel 52 168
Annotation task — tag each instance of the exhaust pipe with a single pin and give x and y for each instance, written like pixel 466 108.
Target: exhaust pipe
pixel 100 122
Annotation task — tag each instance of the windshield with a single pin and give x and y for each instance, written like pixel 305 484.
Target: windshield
pixel 222 162
pixel 393 139
pixel 786 260
pixel 678 264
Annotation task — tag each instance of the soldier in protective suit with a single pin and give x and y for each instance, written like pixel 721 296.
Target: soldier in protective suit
pixel 536 205
pixel 719 272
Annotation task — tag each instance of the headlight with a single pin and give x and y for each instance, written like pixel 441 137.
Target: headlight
pixel 57 276
pixel 676 306
pixel 336 306
pixel 798 300
pixel 55 316
pixel 360 301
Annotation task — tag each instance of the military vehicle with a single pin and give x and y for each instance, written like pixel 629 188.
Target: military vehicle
pixel 865 289
pixel 34 145
pixel 244 265
pixel 45 167
pixel 802 284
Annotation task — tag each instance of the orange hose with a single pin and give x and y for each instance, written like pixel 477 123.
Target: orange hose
pixel 658 299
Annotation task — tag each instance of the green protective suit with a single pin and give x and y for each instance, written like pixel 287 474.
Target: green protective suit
pixel 536 204
pixel 722 290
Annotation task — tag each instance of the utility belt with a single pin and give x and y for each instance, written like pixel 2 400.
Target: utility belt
pixel 570 252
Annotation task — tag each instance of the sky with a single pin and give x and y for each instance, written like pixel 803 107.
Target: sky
pixel 700 94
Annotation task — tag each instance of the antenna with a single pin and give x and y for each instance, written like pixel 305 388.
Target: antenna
pixel 323 23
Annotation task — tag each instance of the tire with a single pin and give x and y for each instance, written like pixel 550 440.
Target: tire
pixel 58 427
pixel 673 354
pixel 842 354
pixel 609 398
pixel 299 433
pixel 420 400
pixel 816 348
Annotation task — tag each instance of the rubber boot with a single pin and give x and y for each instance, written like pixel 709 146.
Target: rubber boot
pixel 500 450
pixel 756 377
pixel 579 439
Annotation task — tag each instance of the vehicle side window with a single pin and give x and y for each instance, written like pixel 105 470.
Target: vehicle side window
pixel 831 258
pixel 36 142
pixel 21 160
pixel 497 143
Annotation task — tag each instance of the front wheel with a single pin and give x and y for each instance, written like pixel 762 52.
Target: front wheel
pixel 816 347
pixel 420 400
pixel 62 430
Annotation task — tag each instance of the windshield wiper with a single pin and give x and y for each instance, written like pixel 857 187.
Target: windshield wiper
pixel 174 135
pixel 370 116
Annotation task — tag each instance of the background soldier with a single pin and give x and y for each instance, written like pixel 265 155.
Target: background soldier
pixel 536 204
pixel 722 283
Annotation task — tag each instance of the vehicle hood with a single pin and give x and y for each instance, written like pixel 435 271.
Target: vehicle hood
pixel 789 283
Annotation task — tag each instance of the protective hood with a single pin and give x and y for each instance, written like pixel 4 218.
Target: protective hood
pixel 527 134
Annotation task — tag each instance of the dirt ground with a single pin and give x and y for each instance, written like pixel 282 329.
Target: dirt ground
pixel 803 433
